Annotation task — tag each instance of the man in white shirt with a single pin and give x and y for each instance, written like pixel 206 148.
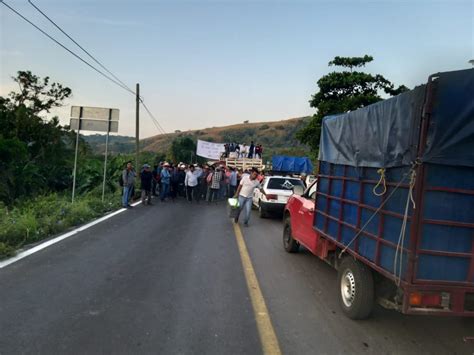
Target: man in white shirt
pixel 245 193
pixel 191 182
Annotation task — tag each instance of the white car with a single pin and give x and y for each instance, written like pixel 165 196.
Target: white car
pixel 275 192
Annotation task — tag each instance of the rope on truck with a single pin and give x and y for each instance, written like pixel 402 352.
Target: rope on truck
pixel 381 182
pixel 401 239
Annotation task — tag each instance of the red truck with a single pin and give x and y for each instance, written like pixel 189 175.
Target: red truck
pixel 393 206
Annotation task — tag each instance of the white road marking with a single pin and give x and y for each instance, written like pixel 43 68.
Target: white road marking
pixel 44 245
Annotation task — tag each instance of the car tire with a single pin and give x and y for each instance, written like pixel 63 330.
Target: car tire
pixel 262 213
pixel 356 289
pixel 289 244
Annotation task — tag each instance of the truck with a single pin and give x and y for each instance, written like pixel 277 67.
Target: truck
pixel 393 205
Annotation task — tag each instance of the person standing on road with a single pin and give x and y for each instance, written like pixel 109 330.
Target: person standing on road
pixel 232 181
pixel 245 193
pixel 128 178
pixel 146 178
pixel 215 185
pixel 165 182
pixel 191 183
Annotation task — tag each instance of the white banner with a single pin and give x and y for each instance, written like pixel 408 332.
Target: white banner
pixel 210 150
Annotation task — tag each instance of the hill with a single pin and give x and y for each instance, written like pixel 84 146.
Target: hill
pixel 277 137
pixel 117 144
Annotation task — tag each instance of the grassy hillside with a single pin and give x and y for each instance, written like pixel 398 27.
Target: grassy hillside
pixel 277 137
pixel 117 144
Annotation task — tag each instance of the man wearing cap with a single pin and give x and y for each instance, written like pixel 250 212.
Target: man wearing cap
pixel 165 182
pixel 146 176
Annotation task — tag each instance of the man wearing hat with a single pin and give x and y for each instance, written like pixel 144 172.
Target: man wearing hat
pixel 146 176
pixel 165 181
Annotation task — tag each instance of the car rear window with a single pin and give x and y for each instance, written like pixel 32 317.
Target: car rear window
pixel 283 184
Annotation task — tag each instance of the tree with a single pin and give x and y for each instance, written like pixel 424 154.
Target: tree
pixel 36 153
pixel 38 95
pixel 344 91
pixel 182 149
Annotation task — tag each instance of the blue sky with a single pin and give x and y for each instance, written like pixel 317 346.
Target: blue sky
pixel 211 63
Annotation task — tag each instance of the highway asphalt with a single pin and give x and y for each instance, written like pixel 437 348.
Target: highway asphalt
pixel 168 279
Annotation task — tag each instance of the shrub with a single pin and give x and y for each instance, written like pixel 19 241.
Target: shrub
pixel 41 217
pixel 264 126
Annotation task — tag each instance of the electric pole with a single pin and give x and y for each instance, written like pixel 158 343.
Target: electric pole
pixel 137 129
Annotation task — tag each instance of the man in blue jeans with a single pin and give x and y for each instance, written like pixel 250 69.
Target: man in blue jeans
pixel 245 193
pixel 165 182
pixel 128 178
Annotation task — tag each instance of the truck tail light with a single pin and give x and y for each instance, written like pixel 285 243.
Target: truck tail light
pixel 272 197
pixel 419 299
pixel 415 299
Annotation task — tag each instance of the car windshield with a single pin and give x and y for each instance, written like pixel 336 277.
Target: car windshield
pixel 283 184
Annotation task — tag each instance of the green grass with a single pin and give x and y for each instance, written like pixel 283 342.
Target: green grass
pixel 29 221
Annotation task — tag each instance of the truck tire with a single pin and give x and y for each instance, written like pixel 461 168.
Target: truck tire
pixel 289 244
pixel 356 289
pixel 261 210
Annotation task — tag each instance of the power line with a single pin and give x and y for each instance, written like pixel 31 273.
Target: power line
pixel 117 82
pixel 67 49
pixel 155 121
pixel 81 47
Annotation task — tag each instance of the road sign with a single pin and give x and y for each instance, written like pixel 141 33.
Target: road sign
pixel 97 119
pixel 95 113
pixel 94 125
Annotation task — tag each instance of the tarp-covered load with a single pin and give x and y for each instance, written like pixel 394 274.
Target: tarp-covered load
pixel 386 134
pixel 292 164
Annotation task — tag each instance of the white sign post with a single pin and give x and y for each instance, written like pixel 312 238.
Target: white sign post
pixel 93 119
pixel 210 150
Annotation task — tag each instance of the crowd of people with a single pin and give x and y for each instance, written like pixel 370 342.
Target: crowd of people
pixel 193 182
pixel 238 151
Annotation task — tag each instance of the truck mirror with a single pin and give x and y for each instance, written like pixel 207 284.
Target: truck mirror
pixel 298 190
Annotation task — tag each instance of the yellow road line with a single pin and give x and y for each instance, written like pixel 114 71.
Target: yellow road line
pixel 264 324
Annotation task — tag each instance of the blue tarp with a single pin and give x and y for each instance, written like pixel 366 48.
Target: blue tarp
pixel 292 164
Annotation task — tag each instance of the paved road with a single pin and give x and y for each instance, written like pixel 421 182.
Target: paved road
pixel 168 279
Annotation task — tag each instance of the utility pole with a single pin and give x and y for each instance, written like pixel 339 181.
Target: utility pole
pixel 137 129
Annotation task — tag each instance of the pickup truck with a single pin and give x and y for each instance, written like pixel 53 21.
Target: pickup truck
pixel 393 207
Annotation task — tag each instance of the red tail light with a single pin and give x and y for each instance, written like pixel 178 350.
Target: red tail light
pixel 425 299
pixel 272 197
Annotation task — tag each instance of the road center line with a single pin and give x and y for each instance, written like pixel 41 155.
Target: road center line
pixel 59 238
pixel 264 324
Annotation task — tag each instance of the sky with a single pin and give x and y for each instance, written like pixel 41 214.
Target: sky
pixel 214 63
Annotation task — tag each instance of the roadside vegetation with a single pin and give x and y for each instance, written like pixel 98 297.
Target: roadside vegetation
pixel 36 162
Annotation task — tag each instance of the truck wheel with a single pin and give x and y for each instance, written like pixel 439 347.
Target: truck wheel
pixel 290 245
pixel 261 210
pixel 356 287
